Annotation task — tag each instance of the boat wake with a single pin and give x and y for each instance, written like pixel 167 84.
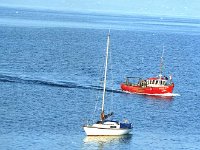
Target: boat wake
pixel 49 82
pixel 29 80
pixel 166 94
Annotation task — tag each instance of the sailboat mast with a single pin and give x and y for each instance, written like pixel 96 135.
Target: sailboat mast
pixel 105 73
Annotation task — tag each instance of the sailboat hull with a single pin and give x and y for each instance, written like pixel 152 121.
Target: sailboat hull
pixel 103 131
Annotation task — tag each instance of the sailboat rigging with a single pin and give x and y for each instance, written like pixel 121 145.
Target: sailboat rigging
pixel 105 126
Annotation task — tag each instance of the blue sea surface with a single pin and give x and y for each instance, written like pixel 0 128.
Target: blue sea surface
pixel 51 71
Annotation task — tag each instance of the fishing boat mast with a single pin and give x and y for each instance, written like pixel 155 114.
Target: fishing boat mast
pixel 161 63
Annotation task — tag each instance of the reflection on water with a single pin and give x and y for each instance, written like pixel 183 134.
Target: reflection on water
pixel 107 139
pixel 102 141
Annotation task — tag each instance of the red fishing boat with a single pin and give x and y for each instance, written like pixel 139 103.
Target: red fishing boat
pixel 159 85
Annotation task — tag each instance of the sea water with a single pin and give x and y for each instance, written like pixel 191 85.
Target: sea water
pixel 51 71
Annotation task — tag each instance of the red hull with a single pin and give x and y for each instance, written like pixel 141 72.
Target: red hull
pixel 148 90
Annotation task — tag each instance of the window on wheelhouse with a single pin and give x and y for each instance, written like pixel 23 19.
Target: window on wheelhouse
pixel 156 82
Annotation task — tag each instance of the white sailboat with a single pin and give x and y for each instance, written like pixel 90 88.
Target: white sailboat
pixel 105 126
